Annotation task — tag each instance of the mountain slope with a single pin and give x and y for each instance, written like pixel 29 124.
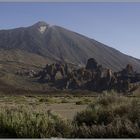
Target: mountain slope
pixel 54 43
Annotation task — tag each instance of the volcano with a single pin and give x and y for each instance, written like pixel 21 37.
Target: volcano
pixel 42 43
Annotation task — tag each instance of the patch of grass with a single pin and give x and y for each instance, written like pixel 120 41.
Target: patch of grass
pixel 118 128
pixel 69 96
pixel 87 100
pixel 48 100
pixel 80 102
pixel 88 117
pixel 110 116
pixel 83 101
pixel 65 100
pixel 25 123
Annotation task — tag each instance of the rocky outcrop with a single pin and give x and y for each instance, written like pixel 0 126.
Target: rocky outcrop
pixel 92 77
pixel 91 64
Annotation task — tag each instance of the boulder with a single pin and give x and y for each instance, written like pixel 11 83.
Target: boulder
pixel 91 64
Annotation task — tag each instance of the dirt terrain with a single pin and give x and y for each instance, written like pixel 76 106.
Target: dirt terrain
pixel 66 107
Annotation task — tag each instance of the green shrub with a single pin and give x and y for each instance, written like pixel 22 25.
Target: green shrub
pixel 106 112
pixel 64 101
pixel 108 99
pixel 82 102
pixel 47 100
pixel 24 123
pixel 110 116
pixel 86 100
pixel 119 128
pixel 69 96
pixel 88 117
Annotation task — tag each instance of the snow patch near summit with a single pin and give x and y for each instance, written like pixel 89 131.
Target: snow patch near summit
pixel 42 29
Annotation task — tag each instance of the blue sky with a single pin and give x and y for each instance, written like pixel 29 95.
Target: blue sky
pixel 114 24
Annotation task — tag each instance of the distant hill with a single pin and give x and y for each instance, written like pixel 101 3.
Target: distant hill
pixel 42 43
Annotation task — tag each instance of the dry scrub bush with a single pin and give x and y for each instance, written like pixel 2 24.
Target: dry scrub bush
pixel 24 123
pixel 119 128
pixel 47 100
pixel 83 101
pixel 110 116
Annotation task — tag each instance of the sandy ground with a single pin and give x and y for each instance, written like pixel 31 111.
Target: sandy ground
pixel 66 110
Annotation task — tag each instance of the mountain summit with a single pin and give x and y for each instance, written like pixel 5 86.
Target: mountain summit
pixel 41 23
pixel 42 43
pixel 41 26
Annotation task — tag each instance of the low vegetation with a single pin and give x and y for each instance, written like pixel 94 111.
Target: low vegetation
pixel 25 123
pixel 65 101
pixel 109 116
pixel 83 101
pixel 48 100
